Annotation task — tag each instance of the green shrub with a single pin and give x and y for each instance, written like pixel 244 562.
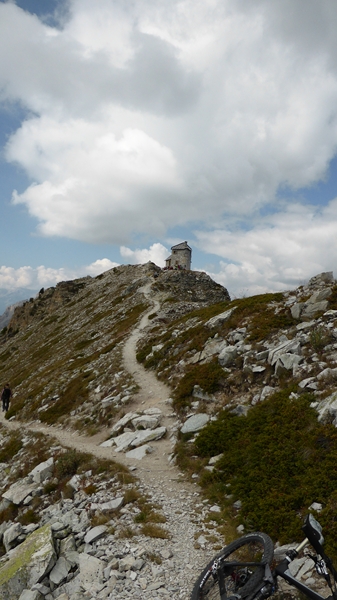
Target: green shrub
pixel 277 461
pixel 29 516
pixel 11 447
pixel 68 463
pixel 209 376
pixel 319 338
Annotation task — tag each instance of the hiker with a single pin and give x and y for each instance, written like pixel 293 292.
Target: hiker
pixel 6 397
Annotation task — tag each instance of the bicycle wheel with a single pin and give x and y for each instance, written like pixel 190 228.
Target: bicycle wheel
pixel 237 579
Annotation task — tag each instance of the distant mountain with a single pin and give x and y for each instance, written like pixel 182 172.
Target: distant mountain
pixel 9 297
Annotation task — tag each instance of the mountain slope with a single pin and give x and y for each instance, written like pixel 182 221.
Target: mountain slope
pixel 62 350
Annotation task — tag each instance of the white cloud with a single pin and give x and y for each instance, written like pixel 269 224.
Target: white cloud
pixel 149 115
pixel 41 276
pixel 279 252
pixel 157 253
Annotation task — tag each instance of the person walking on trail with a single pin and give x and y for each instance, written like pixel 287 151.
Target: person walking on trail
pixel 6 397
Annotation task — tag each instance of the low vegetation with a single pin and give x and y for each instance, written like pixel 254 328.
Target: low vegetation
pixel 277 461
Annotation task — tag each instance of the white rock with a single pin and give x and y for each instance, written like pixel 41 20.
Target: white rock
pixel 111 505
pixel 95 534
pixel 42 471
pixel 148 435
pixel 91 570
pixel 146 421
pixel 123 421
pixel 195 423
pixel 19 491
pixel 139 453
pixel 221 318
pixel 60 571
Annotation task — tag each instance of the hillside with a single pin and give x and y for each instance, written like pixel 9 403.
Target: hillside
pixel 240 394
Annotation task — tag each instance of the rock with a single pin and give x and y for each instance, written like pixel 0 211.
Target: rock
pixel 127 563
pixel 287 361
pixel 146 421
pixel 111 505
pixel 139 453
pixel 312 310
pixel 212 347
pixel 319 296
pixel 266 391
pixel 28 564
pixel 327 409
pixel 286 347
pixel 214 459
pixel 91 571
pixel 31 595
pixel 195 423
pixel 297 309
pixel 123 422
pixel 227 356
pixel 60 571
pixel 42 471
pixel 317 506
pixel 148 435
pixel 19 491
pixel 326 277
pixel 218 319
pixel 95 534
pixel 11 535
pixel 124 440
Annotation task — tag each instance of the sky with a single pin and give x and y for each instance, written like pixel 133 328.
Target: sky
pixel 128 127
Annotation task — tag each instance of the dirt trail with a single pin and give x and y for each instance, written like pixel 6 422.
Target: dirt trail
pixel 151 393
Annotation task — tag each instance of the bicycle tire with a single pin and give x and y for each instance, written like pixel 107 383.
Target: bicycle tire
pixel 253 547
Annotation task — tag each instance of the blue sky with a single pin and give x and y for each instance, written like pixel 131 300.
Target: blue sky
pixel 128 127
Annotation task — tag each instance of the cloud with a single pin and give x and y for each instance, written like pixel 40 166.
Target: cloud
pixel 143 116
pixel 277 253
pixel 41 276
pixel 157 253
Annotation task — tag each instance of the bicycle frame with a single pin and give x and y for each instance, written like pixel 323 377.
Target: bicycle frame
pixel 282 570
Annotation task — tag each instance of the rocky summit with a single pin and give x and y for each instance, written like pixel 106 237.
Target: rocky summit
pixel 146 430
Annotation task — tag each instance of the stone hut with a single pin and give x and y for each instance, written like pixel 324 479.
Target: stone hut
pixel 180 258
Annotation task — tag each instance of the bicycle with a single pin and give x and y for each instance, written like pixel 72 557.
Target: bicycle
pixel 242 570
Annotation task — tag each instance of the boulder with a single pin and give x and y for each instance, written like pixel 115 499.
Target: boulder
pixel 124 440
pixel 19 491
pixel 110 506
pixel 227 356
pixel 319 296
pixel 285 347
pixel 95 534
pixel 312 310
pixel 195 423
pixel 326 277
pixel 327 409
pixel 28 564
pixel 139 453
pixel 91 570
pixel 60 571
pixel 123 422
pixel 31 595
pixel 218 319
pixel 42 471
pixel 11 536
pixel 146 421
pixel 287 361
pixel 148 435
